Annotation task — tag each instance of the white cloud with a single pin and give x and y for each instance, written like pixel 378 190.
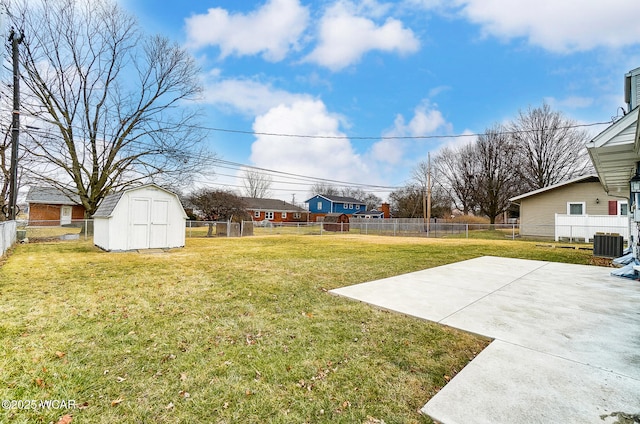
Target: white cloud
pixel 559 26
pixel 426 120
pixel 247 96
pixel 571 102
pixel 346 34
pixel 332 158
pixel 271 30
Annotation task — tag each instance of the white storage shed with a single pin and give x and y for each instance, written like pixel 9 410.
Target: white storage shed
pixel 145 217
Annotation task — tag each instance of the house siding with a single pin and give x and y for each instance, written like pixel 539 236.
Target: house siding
pixel 537 213
pixel 277 216
pixel 319 206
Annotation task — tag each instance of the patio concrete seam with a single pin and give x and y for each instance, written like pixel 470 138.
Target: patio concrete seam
pixel 564 358
pixel 492 292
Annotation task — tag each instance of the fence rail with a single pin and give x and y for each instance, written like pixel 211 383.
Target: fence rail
pixel 7 235
pixel 82 229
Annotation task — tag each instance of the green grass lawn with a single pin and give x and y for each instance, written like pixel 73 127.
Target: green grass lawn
pixel 228 330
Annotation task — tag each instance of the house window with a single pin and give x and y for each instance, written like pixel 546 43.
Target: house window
pixel 350 205
pixel 345 205
pixel 296 215
pixel 623 208
pixel 319 206
pixel 268 215
pixel 256 214
pixel 576 208
pixel 284 215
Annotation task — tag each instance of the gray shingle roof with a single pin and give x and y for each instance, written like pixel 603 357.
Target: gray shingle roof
pixel 52 196
pixel 108 205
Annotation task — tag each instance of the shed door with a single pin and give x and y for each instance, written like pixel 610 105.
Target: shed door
pixel 159 224
pixel 139 219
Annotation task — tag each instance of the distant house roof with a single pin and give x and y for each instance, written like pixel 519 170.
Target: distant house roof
pixel 52 196
pixel 583 179
pixel 255 204
pixel 369 213
pixel 338 199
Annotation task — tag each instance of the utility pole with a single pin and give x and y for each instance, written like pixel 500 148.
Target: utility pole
pixel 428 191
pixel 15 125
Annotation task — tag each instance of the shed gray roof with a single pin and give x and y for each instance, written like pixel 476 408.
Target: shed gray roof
pixel 52 196
pixel 270 205
pixel 108 205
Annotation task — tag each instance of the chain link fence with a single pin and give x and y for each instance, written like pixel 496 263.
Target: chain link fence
pixel 37 231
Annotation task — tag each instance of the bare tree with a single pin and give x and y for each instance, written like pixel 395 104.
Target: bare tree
pixel 406 202
pixel 257 184
pixel 457 168
pixel 497 178
pixel 552 149
pixel 324 188
pixel 213 205
pixel 110 102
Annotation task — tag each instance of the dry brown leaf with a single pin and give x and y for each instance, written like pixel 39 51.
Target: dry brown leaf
pixel 60 354
pixel 116 402
pixel 40 382
pixel 65 419
pixel 183 376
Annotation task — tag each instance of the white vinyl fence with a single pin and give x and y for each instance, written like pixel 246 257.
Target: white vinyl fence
pixel 7 235
pixel 584 227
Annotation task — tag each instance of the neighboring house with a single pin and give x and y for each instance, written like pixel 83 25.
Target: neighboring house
pixel 323 204
pixel 274 210
pixel 577 208
pixel 384 211
pixel 50 206
pixel 145 217
pixel 615 152
pixel 369 214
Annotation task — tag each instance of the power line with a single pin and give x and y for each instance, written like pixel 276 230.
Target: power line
pixel 391 137
pixel 306 178
pixel 376 137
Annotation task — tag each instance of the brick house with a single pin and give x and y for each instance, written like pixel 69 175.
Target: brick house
pixel 50 206
pixel 274 210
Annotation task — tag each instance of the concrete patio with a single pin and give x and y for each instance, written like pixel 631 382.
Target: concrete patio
pixel 566 343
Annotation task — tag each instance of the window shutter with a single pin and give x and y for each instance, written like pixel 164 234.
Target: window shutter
pixel 613 207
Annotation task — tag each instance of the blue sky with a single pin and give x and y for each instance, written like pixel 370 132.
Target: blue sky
pixel 357 71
